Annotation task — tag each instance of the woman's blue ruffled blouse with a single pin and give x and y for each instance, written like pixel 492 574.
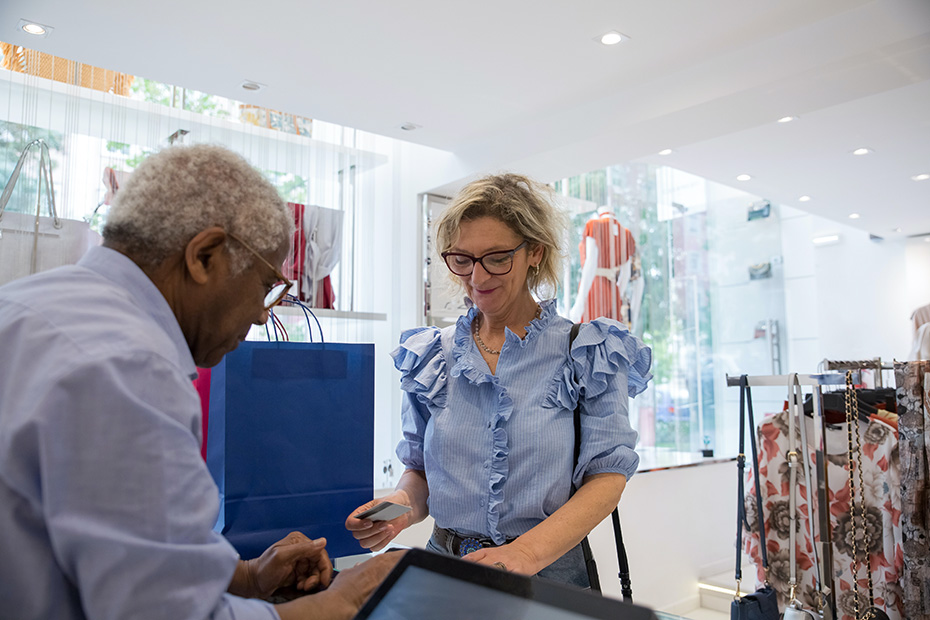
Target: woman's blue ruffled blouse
pixel 497 448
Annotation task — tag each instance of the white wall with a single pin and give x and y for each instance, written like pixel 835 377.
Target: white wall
pixel 851 299
pixel 416 169
pixel 678 525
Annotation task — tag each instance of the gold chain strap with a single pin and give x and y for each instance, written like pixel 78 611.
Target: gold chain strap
pixel 852 417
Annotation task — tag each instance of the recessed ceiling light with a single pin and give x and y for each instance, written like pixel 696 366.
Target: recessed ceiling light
pixel 251 86
pixel 854 216
pixel 804 199
pixel 612 38
pixel 34 28
pixel 410 126
pixel 665 152
pixel 787 119
pixel 743 177
pixel 826 239
pixel 862 151
pixel 920 177
pixel 898 229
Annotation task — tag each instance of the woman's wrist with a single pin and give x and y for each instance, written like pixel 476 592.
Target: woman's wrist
pixel 531 559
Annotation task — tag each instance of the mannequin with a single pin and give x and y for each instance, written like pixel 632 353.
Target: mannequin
pixel 610 284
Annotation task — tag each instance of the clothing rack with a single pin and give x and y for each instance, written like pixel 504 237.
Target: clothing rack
pixel 816 382
pixel 872 364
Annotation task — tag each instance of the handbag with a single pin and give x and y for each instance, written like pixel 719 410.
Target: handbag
pixel 33 243
pixel 290 441
pixel 622 561
pixel 795 609
pixel 763 603
pixel 870 611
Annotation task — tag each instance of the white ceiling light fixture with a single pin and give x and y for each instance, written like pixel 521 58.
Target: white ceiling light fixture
pixel 410 126
pixel 35 28
pixel 611 38
pixel 666 152
pixel 252 87
pixel 804 198
pixel 920 177
pixel 787 119
pixel 854 216
pixel 825 240
pixel 862 151
pixel 743 177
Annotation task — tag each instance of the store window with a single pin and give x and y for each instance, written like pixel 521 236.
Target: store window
pixel 703 289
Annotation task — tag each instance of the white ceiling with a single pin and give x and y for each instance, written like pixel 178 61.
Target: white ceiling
pixel 523 85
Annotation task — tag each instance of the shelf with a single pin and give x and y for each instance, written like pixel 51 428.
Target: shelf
pixel 326 313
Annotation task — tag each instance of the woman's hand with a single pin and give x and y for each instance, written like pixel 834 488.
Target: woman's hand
pixel 375 535
pixel 512 557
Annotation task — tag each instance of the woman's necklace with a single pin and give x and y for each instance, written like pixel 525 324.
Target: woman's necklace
pixel 480 342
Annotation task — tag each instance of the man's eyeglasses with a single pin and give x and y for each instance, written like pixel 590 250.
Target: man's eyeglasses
pixel 278 292
pixel 495 263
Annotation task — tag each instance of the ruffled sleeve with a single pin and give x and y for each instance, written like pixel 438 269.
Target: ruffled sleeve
pixel 422 366
pixel 610 365
pixel 605 348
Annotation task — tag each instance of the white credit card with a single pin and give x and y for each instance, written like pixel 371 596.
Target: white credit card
pixel 385 511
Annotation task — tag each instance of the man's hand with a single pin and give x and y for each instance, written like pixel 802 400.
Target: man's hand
pixel 347 593
pixel 295 561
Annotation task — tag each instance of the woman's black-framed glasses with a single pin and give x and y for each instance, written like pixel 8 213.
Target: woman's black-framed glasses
pixel 495 263
pixel 278 292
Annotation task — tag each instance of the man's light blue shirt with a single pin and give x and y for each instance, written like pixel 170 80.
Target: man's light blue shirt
pixel 106 506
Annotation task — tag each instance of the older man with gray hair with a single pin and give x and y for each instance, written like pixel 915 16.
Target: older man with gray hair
pixel 106 507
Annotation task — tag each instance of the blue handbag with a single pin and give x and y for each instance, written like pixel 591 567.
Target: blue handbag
pixel 290 441
pixel 763 603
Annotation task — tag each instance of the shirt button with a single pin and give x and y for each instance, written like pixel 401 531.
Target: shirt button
pixel 481 503
pixel 486 465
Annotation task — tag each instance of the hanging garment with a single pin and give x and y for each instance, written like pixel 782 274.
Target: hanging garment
pixel 324 248
pixel 920 316
pixel 317 248
pixel 113 180
pixel 294 266
pixel 616 246
pixel 913 391
pixel 920 348
pixel 881 492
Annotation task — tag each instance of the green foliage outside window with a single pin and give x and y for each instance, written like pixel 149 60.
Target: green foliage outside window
pixel 14 138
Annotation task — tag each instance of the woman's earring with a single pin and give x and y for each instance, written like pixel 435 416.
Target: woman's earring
pixel 536 272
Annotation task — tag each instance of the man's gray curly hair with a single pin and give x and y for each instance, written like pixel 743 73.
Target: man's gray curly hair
pixel 182 190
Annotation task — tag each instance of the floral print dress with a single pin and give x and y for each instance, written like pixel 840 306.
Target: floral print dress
pixel 913 397
pixel 881 493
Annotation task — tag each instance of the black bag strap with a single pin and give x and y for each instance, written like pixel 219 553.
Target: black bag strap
pixel 745 407
pixel 622 560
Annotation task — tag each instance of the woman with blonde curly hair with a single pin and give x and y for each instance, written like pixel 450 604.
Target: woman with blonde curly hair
pixel 489 402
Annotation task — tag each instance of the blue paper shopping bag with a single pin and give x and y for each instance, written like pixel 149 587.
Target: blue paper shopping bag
pixel 290 441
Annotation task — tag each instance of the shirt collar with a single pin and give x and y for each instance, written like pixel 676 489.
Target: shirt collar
pixel 122 271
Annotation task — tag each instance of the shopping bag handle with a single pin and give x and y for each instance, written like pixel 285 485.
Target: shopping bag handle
pixel 45 174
